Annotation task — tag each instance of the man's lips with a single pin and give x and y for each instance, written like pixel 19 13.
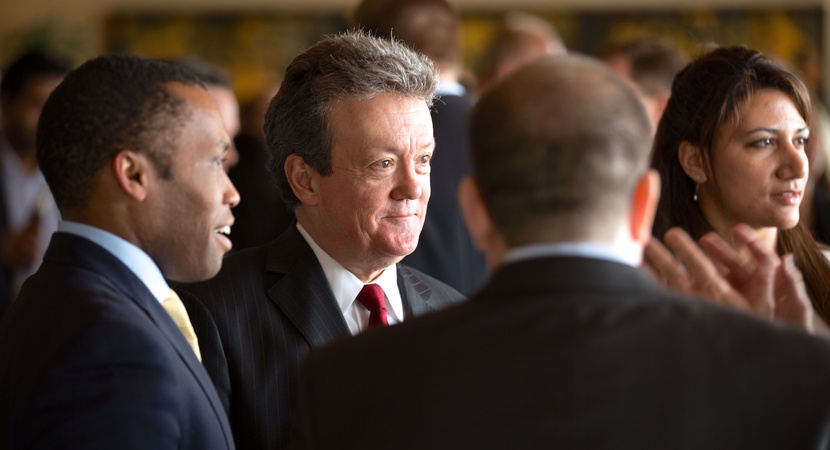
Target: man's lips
pixel 402 216
pixel 223 233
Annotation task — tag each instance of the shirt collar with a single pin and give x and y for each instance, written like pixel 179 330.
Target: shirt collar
pixel 451 88
pixel 133 257
pixel 628 256
pixel 345 285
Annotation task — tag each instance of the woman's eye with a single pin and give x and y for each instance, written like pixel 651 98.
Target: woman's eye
pixel 801 141
pixel 763 142
pixel 383 164
pixel 425 159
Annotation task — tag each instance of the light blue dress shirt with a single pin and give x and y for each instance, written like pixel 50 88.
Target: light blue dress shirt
pixel 579 249
pixel 133 257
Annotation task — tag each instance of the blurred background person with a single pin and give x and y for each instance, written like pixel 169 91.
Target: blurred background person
pixel 651 64
pixel 520 39
pixel 815 208
pixel 730 148
pixel 445 249
pixel 28 214
pixel 220 87
pixel 263 215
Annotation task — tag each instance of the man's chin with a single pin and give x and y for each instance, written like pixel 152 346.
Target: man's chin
pixel 401 252
pixel 196 274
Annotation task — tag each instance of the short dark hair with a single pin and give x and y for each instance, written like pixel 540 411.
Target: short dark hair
pixel 352 64
pixel 27 66
pixel 208 73
pixel 557 149
pixel 519 38
pixel 428 26
pixel 106 105
pixel 655 61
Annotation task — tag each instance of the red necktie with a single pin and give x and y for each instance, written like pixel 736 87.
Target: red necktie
pixel 371 296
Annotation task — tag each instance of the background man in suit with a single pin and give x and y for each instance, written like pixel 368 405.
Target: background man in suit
pixel 569 345
pixel 263 216
pixel 351 142
pixel 520 39
pixel 220 86
pixel 432 27
pixel 28 215
pixel 89 357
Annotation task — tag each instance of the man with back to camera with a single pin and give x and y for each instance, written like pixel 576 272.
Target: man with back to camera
pixel 351 141
pixel 569 345
pixel 89 356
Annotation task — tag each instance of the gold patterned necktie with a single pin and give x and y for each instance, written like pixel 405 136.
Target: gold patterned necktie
pixel 173 305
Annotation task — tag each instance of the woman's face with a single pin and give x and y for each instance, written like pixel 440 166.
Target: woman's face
pixel 759 164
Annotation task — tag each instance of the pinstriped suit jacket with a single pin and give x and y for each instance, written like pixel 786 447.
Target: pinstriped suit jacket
pixel 259 317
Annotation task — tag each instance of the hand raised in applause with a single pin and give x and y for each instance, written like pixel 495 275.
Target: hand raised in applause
pixel 760 282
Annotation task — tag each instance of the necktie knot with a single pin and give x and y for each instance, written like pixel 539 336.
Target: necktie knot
pixel 372 297
pixel 175 308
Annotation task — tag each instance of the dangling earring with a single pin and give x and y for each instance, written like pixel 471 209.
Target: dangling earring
pixel 697 187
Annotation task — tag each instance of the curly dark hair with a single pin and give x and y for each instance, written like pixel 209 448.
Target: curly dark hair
pixel 106 105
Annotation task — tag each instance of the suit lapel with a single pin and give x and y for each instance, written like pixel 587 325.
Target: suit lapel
pixel 77 251
pixel 303 293
pixel 171 332
pixel 415 294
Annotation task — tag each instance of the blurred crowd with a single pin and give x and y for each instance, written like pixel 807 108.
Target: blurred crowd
pixel 627 249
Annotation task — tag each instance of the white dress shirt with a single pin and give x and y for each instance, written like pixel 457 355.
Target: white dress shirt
pixel 450 88
pixel 345 286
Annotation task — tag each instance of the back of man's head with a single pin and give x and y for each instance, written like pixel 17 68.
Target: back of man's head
pixel 651 63
pixel 520 39
pixel 220 87
pixel 557 150
pixel 29 65
pixel 208 73
pixel 106 105
pixel 428 26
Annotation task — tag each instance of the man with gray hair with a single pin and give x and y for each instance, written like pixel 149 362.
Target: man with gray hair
pixel 350 138
pixel 570 344
pixel 432 27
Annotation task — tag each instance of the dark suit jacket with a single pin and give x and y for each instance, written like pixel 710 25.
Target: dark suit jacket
pixel 270 305
pixel 90 360
pixel 570 353
pixel 445 250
